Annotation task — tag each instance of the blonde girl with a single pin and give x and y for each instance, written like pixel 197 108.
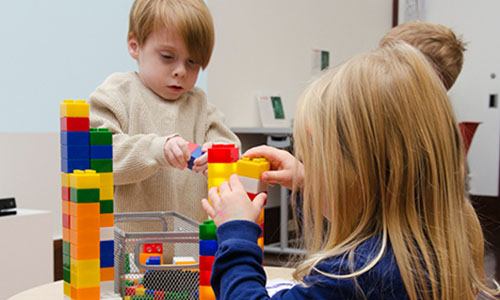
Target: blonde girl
pixel 384 212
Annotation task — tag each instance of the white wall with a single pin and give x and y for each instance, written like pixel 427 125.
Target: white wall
pixel 470 95
pixel 264 45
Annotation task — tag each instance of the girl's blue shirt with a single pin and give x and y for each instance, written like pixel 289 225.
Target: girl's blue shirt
pixel 238 273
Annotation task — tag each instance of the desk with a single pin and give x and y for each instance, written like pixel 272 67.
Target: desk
pixel 54 290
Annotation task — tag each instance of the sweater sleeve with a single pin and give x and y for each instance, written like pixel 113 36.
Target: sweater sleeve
pixel 135 157
pixel 217 131
pixel 238 273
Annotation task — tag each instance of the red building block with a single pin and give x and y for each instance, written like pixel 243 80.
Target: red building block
pixel 206 262
pixel 74 124
pixel 223 154
pixel 152 248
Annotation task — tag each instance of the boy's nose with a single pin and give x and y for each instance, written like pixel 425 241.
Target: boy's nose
pixel 179 70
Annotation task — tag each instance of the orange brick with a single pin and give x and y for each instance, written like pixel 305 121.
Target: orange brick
pixel 107 220
pixel 85 251
pixel 84 209
pixel 85 236
pixel 65 207
pixel 66 235
pixel 206 293
pixel 85 293
pixel 107 274
pixel 78 223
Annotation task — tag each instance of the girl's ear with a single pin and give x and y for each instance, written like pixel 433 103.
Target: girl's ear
pixel 133 46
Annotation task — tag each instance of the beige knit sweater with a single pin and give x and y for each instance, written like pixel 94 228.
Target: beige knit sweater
pixel 141 122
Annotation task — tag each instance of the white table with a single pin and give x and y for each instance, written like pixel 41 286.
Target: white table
pixel 26 251
pixel 54 290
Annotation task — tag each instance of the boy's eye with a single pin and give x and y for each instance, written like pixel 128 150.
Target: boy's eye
pixel 167 56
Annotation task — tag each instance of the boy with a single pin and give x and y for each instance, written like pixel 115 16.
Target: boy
pixel 437 42
pixel 155 112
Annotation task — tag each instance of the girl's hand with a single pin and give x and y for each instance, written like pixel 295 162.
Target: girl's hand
pixel 233 203
pixel 283 165
pixel 176 152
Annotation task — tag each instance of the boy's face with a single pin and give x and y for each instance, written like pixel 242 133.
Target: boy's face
pixel 164 64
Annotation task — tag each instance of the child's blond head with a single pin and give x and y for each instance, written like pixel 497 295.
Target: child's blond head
pixel 437 42
pixel 191 18
pixel 383 159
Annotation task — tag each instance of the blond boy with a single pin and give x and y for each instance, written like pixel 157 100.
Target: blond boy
pixel 156 111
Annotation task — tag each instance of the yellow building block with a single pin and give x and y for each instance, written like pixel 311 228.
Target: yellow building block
pixel 140 291
pixel 87 179
pixel 67 289
pixel 85 264
pixel 252 167
pixel 260 242
pixel 74 108
pixel 224 170
pixel 206 293
pixel 261 217
pixel 65 179
pixel 106 179
pixel 85 279
pixel 106 193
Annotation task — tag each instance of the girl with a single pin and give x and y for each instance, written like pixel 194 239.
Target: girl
pixel 384 212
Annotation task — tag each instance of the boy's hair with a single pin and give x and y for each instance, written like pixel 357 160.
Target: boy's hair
pixel 191 18
pixel 437 42
pixel 383 159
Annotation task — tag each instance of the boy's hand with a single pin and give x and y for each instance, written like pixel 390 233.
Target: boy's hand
pixel 201 163
pixel 176 152
pixel 233 203
pixel 283 166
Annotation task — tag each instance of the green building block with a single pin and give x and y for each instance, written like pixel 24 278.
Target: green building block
pixel 106 206
pixel 127 263
pixel 101 165
pixel 207 230
pixel 101 136
pixel 66 275
pixel 66 246
pixel 84 195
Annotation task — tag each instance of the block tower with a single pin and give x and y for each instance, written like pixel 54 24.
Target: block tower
pixel 87 204
pixel 222 163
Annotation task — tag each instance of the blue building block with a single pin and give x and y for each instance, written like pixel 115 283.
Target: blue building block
pixel 153 261
pixel 75 138
pixel 107 261
pixel 101 152
pixel 194 155
pixel 208 247
pixel 75 152
pixel 107 247
pixel 69 165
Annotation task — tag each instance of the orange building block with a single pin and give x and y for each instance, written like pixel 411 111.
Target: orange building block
pixel 107 274
pixel 84 209
pixel 107 220
pixel 86 293
pixel 206 293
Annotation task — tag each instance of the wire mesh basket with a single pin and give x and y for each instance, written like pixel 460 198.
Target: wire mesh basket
pixel 156 255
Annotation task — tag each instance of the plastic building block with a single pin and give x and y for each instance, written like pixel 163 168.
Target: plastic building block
pixel 106 179
pixel 87 179
pixel 101 136
pixel 75 138
pixel 106 206
pixel 224 170
pixel 65 179
pixel 144 256
pixel 252 185
pixel 65 193
pixel 107 261
pixel 223 154
pixel 75 152
pixel 152 248
pixel 85 293
pixel 101 165
pixel 84 222
pixel 208 247
pixel 153 261
pixel 207 230
pixel 69 165
pixel 84 209
pixel 252 167
pixel 107 233
pixel 107 220
pixel 74 108
pixel 74 124
pixel 183 260
pixel 84 195
pixel 107 274
pixel 205 277
pixel 206 262
pixel 107 193
pixel 101 152
pixel 206 293
pixel 85 251
pixel 195 151
pixel 88 236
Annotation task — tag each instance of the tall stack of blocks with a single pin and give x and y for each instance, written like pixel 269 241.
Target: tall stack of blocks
pixel 87 204
pixel 208 247
pixel 222 163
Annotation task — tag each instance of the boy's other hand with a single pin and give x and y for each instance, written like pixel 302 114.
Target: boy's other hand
pixel 176 152
pixel 233 203
pixel 283 165
pixel 201 163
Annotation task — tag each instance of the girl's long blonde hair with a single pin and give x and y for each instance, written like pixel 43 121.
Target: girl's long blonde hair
pixel 383 158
